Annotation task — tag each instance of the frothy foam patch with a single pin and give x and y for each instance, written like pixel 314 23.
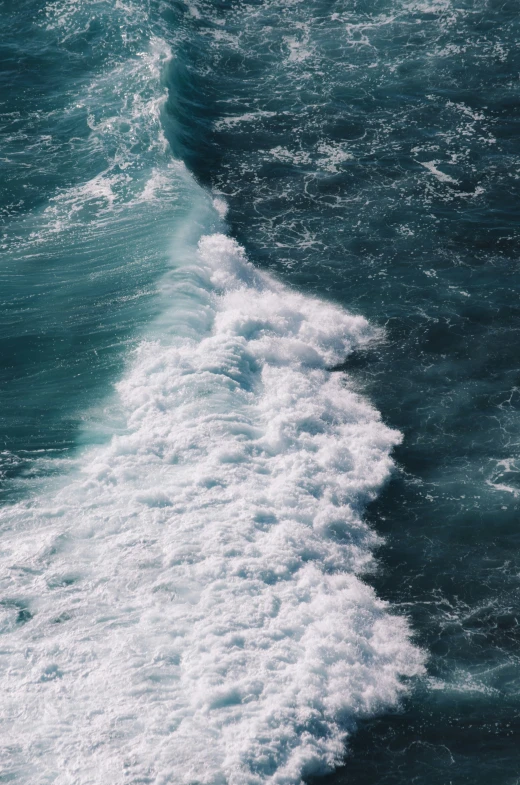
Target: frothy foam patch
pixel 187 608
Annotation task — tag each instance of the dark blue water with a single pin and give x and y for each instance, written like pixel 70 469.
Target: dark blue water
pixel 368 155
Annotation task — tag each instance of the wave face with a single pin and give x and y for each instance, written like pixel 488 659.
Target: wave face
pixel 181 559
pixel 91 201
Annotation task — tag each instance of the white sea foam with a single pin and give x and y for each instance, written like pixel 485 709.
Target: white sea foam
pixel 249 117
pixel 187 608
pixel 333 156
pixel 441 176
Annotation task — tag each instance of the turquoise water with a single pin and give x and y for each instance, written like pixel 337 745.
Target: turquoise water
pixel 259 392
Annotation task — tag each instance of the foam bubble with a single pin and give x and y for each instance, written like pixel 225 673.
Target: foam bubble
pixel 188 607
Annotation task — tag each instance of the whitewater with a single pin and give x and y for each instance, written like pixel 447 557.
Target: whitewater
pixel 189 602
pixel 185 602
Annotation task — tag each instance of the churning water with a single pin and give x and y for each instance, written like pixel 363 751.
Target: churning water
pixel 259 315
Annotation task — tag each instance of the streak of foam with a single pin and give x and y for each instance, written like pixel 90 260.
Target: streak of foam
pixel 431 166
pixel 249 117
pixel 187 608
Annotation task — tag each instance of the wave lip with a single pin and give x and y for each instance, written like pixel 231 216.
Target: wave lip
pixel 203 565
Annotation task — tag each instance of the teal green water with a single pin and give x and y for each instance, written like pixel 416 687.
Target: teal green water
pixel 366 154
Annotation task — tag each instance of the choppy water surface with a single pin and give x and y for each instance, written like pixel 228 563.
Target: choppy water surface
pixel 250 253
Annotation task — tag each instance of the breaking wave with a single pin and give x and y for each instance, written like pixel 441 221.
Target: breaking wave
pixel 187 607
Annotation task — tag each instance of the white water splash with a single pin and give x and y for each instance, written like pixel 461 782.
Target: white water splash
pixel 186 609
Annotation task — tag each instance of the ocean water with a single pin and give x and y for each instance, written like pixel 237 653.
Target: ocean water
pixel 259 451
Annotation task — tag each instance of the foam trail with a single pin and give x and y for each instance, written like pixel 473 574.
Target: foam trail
pixel 186 608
